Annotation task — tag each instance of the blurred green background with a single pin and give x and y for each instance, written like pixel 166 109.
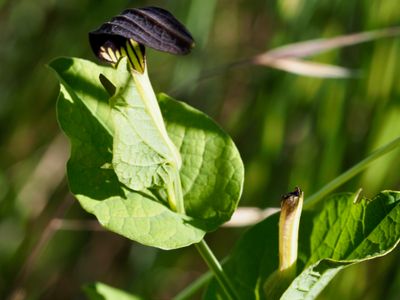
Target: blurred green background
pixel 290 130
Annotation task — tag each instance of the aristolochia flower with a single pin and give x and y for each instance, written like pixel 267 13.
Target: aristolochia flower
pixel 128 33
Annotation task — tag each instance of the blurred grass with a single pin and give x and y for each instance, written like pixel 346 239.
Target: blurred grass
pixel 291 130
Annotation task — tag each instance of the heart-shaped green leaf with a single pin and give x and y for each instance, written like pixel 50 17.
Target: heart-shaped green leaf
pixel 211 171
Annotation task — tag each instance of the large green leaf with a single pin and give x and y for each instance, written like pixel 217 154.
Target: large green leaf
pixel 211 172
pixel 101 291
pixel 332 236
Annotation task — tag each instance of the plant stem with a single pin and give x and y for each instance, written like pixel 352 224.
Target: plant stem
pixel 350 173
pixel 149 99
pixel 180 206
pixel 216 268
pixel 146 92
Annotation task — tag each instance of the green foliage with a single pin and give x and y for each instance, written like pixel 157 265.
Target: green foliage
pixel 101 291
pixel 290 130
pixel 332 236
pixel 211 171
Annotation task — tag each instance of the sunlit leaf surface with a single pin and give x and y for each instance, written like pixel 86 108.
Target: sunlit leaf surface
pixel 211 172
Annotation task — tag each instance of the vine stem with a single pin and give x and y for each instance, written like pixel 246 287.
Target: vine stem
pixel 216 268
pixel 350 173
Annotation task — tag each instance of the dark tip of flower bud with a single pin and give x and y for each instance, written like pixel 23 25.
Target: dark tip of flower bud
pixel 150 26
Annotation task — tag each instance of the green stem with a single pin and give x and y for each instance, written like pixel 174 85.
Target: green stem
pixel 150 101
pixel 175 195
pixel 350 173
pixel 216 268
pixel 146 92
pixel 180 206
